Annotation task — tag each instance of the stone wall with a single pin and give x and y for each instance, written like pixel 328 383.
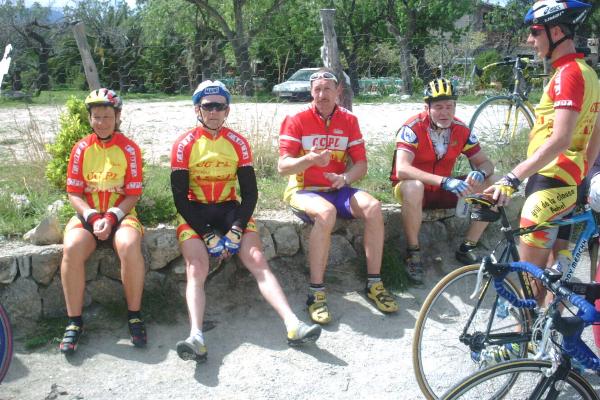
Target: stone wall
pixel 30 285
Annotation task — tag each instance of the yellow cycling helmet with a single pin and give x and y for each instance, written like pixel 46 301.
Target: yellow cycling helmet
pixel 439 89
pixel 104 97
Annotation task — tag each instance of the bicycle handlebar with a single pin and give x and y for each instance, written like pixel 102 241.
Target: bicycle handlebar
pixel 572 343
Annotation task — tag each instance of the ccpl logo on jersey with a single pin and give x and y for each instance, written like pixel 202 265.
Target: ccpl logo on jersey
pixel 338 132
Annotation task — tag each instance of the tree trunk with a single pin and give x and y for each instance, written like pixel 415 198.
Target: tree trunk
pixel 331 57
pixel 404 51
pixel 424 70
pixel 91 73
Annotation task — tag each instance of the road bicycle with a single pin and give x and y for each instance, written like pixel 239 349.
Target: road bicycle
pixel 506 117
pixel 457 324
pixel 6 343
pixel 549 375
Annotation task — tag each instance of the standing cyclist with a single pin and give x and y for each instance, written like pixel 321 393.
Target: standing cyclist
pixel 565 119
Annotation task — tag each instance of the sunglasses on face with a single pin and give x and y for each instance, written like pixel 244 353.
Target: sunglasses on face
pixel 535 31
pixel 323 75
pixel 213 106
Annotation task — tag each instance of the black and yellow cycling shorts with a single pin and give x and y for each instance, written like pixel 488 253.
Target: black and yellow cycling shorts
pixel 547 199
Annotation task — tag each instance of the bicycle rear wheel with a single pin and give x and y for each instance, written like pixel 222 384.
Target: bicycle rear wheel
pixel 6 343
pixel 440 358
pixel 526 376
pixel 503 124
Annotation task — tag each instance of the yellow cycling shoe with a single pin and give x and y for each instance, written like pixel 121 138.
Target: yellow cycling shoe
pixel 383 300
pixel 317 308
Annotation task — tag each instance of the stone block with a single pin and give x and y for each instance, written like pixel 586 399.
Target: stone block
pixel 8 269
pixel 267 242
pixel 106 291
pixel 45 262
pixel 287 242
pixel 47 232
pixel 53 300
pixel 22 303
pixel 161 245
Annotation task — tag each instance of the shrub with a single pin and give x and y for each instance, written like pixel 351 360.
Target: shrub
pixel 74 125
pixel 501 74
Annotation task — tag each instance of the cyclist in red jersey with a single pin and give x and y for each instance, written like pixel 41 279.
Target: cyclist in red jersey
pixel 207 164
pixel 565 119
pixel 427 146
pixel 314 147
pixel 104 182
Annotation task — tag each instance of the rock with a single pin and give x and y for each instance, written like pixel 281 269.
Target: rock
pixel 47 232
pixel 45 263
pixel 53 300
pixel 154 281
pixel 161 245
pixel 55 208
pixel 287 242
pixel 108 262
pixel 22 302
pixel 8 269
pixel 106 291
pixel 340 251
pixel 178 270
pixel 267 242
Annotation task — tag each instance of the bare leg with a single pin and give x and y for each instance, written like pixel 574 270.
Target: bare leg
pixel 367 208
pixel 79 245
pixel 196 260
pixel 412 209
pixel 128 245
pixel 324 214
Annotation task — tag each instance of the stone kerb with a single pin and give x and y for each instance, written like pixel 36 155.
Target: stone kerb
pixel 30 285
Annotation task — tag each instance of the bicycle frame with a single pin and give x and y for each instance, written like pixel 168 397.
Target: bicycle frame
pixel 477 341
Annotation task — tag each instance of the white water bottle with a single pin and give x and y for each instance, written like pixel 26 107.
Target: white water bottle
pixel 462 208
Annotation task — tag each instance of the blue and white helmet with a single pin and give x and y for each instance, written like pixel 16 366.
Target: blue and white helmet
pixel 554 12
pixel 208 88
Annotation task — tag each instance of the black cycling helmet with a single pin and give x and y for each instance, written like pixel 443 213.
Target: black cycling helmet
pixel 569 14
pixel 439 89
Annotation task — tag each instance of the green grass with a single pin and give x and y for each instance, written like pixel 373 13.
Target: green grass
pixel 47 331
pixel 393 271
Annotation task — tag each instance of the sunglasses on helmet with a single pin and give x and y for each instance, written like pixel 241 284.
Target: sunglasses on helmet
pixel 214 106
pixel 323 75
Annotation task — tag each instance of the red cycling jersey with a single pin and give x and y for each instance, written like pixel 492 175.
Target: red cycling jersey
pixel 414 137
pixel 305 130
pixel 105 172
pixel 574 86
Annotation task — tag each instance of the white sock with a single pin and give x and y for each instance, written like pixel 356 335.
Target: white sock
pixel 197 333
pixel 291 323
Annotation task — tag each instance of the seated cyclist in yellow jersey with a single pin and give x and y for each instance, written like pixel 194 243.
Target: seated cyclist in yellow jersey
pixel 565 119
pixel 104 182
pixel 214 220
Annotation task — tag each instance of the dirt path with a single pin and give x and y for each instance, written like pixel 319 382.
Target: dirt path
pixel 362 354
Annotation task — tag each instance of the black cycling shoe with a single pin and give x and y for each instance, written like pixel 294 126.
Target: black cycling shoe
pixel 137 330
pixel 467 257
pixel 70 340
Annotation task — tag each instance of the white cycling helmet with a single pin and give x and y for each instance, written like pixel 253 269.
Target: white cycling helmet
pixel 208 88
pixel 594 196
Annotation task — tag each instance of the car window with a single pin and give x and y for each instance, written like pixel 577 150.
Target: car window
pixel 301 75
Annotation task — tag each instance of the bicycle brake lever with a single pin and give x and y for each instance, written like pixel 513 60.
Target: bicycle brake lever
pixel 479 280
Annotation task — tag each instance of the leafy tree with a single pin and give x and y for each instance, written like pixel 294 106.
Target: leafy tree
pixel 506 26
pixel 240 21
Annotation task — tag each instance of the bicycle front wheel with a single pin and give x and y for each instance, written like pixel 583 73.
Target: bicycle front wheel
pixel 502 125
pixel 527 375
pixel 6 343
pixel 451 326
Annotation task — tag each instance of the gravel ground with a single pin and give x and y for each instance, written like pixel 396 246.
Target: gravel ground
pixel 156 125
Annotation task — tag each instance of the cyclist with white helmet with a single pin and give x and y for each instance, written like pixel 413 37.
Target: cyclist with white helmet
pixel 427 147
pixel 104 183
pixel 215 220
pixel 565 119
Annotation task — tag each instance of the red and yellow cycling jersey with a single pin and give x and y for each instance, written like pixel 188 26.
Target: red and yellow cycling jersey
pixel 414 138
pixel 105 172
pixel 573 86
pixel 339 133
pixel 212 163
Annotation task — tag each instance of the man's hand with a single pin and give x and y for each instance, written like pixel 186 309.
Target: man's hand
pixel 338 181
pixel 231 241
pixel 456 186
pixel 319 158
pixel 503 190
